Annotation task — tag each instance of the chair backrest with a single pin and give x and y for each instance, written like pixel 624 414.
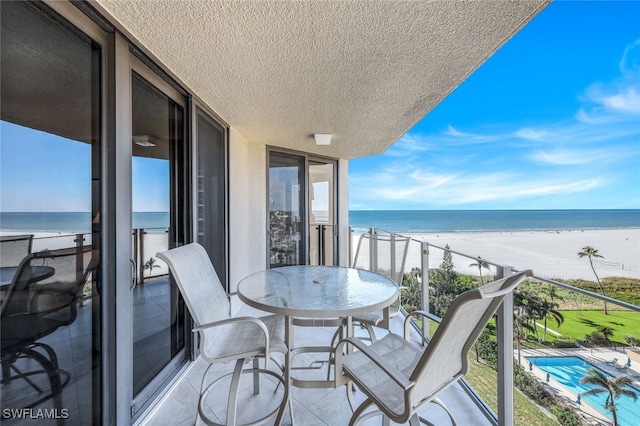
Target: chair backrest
pixel 14 248
pixel 382 253
pixel 444 360
pixel 198 283
pixel 44 292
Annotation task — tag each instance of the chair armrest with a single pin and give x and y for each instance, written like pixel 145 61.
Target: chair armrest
pixel 426 314
pixel 228 321
pixel 393 373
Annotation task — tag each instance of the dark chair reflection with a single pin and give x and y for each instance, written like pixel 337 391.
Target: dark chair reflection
pixel 42 297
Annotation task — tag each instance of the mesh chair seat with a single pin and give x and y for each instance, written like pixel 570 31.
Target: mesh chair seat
pixel 402 354
pixel 373 318
pixel 237 339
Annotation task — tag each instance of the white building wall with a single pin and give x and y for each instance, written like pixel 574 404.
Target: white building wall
pixel 247 207
pixel 343 212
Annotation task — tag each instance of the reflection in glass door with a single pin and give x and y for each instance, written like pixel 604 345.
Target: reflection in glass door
pixel 286 210
pixel 158 319
pixel 321 213
pixel 50 193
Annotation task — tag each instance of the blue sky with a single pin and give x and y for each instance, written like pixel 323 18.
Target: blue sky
pixel 550 121
pixel 49 173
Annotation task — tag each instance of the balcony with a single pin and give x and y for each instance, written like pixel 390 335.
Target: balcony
pixel 474 401
pixel 487 395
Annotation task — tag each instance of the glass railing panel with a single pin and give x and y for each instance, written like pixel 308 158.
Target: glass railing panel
pixel 566 321
pixel 152 241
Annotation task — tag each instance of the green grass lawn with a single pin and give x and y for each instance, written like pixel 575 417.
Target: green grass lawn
pixel 578 323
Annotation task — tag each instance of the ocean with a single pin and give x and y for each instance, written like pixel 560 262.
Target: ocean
pixel 399 221
pixel 72 221
pixel 493 220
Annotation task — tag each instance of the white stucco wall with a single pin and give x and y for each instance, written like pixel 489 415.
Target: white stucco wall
pixel 247 207
pixel 343 212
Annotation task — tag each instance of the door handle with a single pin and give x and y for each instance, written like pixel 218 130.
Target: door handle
pixel 134 279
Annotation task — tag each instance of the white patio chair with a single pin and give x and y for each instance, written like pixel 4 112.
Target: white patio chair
pixel 384 254
pixel 400 376
pixel 223 338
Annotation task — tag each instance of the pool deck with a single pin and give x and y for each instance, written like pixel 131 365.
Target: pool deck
pixel 602 358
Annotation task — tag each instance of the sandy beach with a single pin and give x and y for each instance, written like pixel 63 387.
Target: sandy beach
pixel 550 254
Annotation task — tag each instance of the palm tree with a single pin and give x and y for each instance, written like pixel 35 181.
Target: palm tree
pixel 528 304
pixel 480 264
pixel 521 322
pixel 590 252
pixel 552 291
pixel 606 331
pixel 546 309
pixel 150 264
pixel 615 386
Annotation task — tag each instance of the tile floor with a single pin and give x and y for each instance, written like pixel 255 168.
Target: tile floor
pixel 312 407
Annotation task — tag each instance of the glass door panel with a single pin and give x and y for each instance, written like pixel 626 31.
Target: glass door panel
pixel 158 321
pixel 286 210
pixel 211 191
pixel 50 192
pixel 321 213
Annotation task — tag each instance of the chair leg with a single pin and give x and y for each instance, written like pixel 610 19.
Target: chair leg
pixel 355 418
pixel 256 375
pixel 372 333
pixel 232 404
pixel 337 336
pixel 20 374
pixel 50 367
pixel 414 420
pixel 439 402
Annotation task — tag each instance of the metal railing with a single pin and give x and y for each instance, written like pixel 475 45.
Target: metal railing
pixel 504 322
pixel 146 242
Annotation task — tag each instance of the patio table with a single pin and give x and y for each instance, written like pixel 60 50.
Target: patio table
pixel 316 296
pixel 37 273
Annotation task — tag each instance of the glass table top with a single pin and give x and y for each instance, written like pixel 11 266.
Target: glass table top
pixel 317 291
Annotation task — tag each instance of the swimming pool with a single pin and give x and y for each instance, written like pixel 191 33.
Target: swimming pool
pixel 570 369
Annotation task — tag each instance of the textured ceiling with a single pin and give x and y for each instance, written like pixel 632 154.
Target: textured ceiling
pixel 364 71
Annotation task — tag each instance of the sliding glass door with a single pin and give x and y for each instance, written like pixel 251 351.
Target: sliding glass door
pixel 211 190
pixel 159 203
pixel 50 203
pixel 322 229
pixel 286 210
pixel 301 221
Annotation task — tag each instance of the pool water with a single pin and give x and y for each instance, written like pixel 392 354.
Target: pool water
pixel 570 369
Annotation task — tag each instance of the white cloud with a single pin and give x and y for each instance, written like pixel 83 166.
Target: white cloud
pixel 459 137
pixel 532 134
pixel 630 62
pixel 408 145
pixel 571 157
pixel 420 188
pixel 627 101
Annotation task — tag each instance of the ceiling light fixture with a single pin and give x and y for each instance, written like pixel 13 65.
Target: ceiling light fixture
pixel 322 138
pixel 145 140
